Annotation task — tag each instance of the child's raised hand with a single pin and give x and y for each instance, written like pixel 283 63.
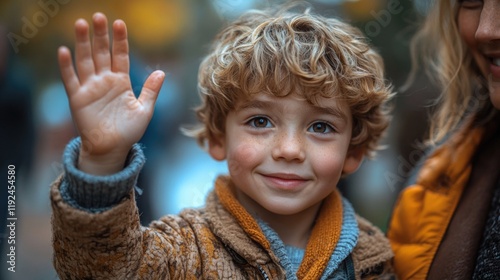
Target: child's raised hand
pixel 108 116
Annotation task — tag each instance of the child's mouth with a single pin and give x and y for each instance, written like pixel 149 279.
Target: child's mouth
pixel 288 182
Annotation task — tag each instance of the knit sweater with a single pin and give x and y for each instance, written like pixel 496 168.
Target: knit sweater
pixel 488 261
pixel 102 238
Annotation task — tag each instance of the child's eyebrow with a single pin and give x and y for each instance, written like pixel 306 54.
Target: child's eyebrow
pixel 259 104
pixel 331 111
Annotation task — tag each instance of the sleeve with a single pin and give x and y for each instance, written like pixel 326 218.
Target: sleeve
pixel 97 193
pixel 95 224
pixel 104 245
pixel 97 232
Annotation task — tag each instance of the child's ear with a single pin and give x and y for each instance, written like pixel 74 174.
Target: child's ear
pixel 217 148
pixel 353 160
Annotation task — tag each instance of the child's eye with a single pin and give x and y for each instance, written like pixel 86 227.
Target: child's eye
pixel 320 127
pixel 259 122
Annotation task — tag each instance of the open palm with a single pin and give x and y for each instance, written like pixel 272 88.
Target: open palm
pixel 108 116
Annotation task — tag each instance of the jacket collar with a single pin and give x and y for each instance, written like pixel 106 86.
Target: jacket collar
pixel 450 161
pixel 251 244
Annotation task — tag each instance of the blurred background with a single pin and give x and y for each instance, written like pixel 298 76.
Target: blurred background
pixel 172 35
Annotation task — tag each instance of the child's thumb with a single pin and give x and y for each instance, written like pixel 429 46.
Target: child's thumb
pixel 151 88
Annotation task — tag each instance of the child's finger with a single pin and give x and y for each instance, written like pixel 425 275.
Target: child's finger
pixel 70 80
pixel 120 59
pixel 102 57
pixel 83 51
pixel 150 90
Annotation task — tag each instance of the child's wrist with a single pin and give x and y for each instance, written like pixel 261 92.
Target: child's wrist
pixel 102 164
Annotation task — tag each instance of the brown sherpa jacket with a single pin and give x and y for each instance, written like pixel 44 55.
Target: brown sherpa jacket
pixel 220 241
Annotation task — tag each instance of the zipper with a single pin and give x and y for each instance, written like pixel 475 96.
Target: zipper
pixel 242 262
pixel 263 272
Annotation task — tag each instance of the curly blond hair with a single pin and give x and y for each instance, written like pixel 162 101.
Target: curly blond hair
pixel 280 52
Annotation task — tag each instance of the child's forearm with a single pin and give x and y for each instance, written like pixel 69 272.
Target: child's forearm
pixel 104 240
pixel 105 245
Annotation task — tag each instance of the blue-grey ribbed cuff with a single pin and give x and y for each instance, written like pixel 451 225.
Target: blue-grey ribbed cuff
pixel 94 193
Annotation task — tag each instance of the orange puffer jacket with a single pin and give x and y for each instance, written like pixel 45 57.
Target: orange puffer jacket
pixel 424 210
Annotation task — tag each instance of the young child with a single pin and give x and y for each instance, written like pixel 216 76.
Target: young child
pixel 292 101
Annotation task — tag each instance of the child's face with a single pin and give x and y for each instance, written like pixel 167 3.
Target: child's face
pixel 284 154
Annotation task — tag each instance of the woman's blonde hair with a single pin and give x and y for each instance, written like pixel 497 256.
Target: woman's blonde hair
pixel 447 59
pixel 282 52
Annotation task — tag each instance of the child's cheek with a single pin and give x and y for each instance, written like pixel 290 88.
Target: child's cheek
pixel 243 158
pixel 328 166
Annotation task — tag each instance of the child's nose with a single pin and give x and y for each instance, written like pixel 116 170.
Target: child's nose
pixel 289 146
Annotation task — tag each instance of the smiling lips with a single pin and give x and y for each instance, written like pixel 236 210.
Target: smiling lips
pixel 285 181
